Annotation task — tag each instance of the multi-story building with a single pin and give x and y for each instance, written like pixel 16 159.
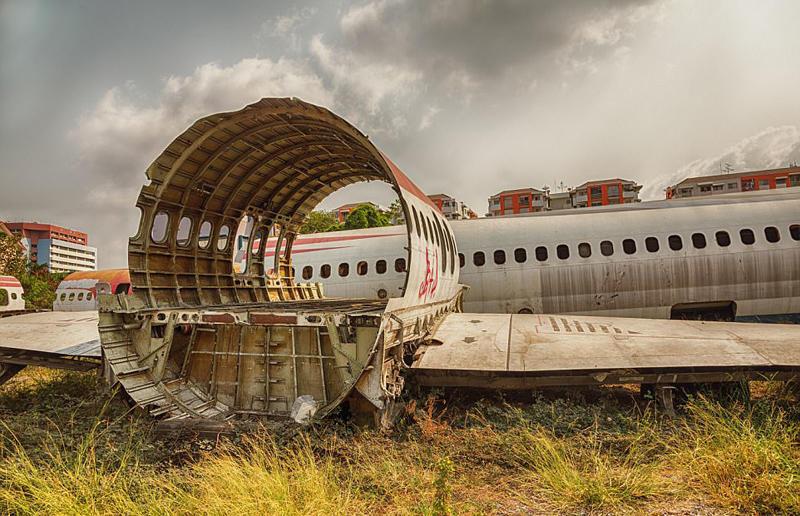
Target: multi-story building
pixel 735 182
pixel 344 210
pixel 521 200
pixel 61 249
pixel 559 200
pixel 605 192
pixel 451 208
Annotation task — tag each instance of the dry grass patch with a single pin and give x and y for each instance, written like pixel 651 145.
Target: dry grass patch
pixel 747 460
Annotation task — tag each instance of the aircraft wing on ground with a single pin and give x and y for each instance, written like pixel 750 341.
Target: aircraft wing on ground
pixel 529 350
pixel 61 340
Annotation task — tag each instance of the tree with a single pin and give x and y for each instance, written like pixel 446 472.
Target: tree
pixel 12 259
pixel 395 213
pixel 366 216
pixel 319 222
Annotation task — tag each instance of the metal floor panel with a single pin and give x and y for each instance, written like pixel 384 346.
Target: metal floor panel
pixel 535 344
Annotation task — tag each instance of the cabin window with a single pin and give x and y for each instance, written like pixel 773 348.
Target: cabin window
pixel 675 242
pixel 204 237
pixel 478 259
pixel 520 255
pixel 772 234
pixel 416 221
pixel 629 246
pixel 562 251
pixel 308 271
pixel 400 265
pixel 71 296
pixel 80 296
pixel 723 238
pixel 461 260
pixel 584 250
pixel 651 244
pixel 257 241
pixel 442 244
pixel 88 296
pixel 3 297
pixel 747 236
pixel 424 227
pixel 699 240
pixel 122 288
pixel 362 268
pixel 222 238
pixel 380 266
pixel 14 295
pixel 434 235
pixel 794 230
pixel 541 253
pixel 63 296
pixel 606 248
pixel 499 257
pixel 184 231
pixel 325 271
pixel 159 230
pixel 344 269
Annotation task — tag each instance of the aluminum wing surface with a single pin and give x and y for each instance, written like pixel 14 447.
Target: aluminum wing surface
pixel 60 340
pixel 528 350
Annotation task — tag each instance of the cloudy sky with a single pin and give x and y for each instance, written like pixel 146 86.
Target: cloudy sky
pixel 468 96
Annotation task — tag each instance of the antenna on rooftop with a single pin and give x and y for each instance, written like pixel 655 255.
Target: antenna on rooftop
pixel 725 168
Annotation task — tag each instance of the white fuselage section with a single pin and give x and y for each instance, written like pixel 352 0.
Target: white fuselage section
pixel 633 262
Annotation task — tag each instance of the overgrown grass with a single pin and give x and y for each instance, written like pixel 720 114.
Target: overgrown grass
pixel 67 448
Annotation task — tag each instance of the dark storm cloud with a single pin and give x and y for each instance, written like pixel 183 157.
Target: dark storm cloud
pixel 478 37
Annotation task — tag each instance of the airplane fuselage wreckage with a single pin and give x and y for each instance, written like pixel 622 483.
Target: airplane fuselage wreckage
pixel 197 339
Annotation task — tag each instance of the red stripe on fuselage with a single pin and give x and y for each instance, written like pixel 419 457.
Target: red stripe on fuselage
pixel 324 240
pixel 269 254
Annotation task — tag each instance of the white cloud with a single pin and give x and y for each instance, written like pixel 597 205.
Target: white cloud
pixel 773 147
pixel 368 89
pixel 121 136
pixel 287 26
pixel 427 117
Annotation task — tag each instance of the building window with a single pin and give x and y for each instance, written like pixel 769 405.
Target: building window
pixel 521 255
pixel 380 266
pixel 748 184
pixel 719 188
pixel 629 246
pixel 479 259
pixel 794 230
pixel 699 240
pixel 308 271
pixel 584 250
pixel 723 238
pixel 499 257
pixel 772 234
pixel 362 268
pixel 705 188
pixel 612 190
pixel 794 180
pixel 461 260
pixel 400 265
pixel 508 203
pixel 596 191
pixel 651 244
pixel 523 200
pixel 780 182
pixel 763 184
pixel 606 248
pixel 562 251
pixel 733 186
pixel 675 242
pixel 325 271
pixel 541 253
pixel 747 236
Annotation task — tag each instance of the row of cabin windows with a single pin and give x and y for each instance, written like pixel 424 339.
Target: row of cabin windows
pixel 4 297
pixel 72 296
pixel 362 268
pixel 651 244
pixel 437 234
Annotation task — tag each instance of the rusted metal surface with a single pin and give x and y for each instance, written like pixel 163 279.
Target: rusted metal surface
pixel 201 339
